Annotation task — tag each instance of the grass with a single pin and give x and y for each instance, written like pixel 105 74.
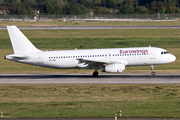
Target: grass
pixel 69 39
pixel 69 23
pixel 25 101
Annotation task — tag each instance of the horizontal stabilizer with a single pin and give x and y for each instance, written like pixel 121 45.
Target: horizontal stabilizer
pixel 16 57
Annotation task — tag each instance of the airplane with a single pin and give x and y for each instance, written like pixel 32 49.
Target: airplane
pixel 111 60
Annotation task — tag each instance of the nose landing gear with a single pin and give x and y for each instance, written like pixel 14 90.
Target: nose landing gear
pixel 152 68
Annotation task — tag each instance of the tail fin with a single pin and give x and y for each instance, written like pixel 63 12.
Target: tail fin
pixel 19 41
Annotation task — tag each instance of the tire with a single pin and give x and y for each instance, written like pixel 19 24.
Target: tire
pixel 153 73
pixel 95 74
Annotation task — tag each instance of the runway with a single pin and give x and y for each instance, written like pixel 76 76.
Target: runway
pixel 88 79
pixel 93 27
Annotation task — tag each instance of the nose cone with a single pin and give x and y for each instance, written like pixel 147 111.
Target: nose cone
pixel 173 58
pixel 167 58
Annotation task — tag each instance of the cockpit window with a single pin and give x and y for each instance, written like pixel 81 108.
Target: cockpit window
pixel 164 52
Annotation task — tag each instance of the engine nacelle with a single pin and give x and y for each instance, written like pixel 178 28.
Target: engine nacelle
pixel 116 67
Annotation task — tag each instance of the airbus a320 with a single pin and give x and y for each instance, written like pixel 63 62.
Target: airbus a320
pixel 112 60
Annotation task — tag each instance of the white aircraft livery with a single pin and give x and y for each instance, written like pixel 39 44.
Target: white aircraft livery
pixel 112 60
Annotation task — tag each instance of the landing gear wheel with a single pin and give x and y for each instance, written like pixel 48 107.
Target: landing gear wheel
pixel 152 68
pixel 95 73
pixel 153 73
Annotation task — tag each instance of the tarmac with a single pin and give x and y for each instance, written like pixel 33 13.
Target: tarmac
pixel 88 79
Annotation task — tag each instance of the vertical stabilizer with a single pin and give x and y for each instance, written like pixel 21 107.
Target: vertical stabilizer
pixel 19 41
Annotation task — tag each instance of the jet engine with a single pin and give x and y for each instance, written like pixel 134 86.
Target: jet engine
pixel 116 67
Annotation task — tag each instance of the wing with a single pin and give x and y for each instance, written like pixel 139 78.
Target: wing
pixel 91 62
pixel 100 63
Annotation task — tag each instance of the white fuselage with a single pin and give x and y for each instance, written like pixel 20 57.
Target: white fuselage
pixel 108 60
pixel 140 56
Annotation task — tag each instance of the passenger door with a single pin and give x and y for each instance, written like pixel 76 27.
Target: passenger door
pixel 152 54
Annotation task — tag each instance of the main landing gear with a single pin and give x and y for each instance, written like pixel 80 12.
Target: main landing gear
pixel 152 68
pixel 95 73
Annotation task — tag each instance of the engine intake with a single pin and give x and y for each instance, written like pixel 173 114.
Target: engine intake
pixel 118 67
